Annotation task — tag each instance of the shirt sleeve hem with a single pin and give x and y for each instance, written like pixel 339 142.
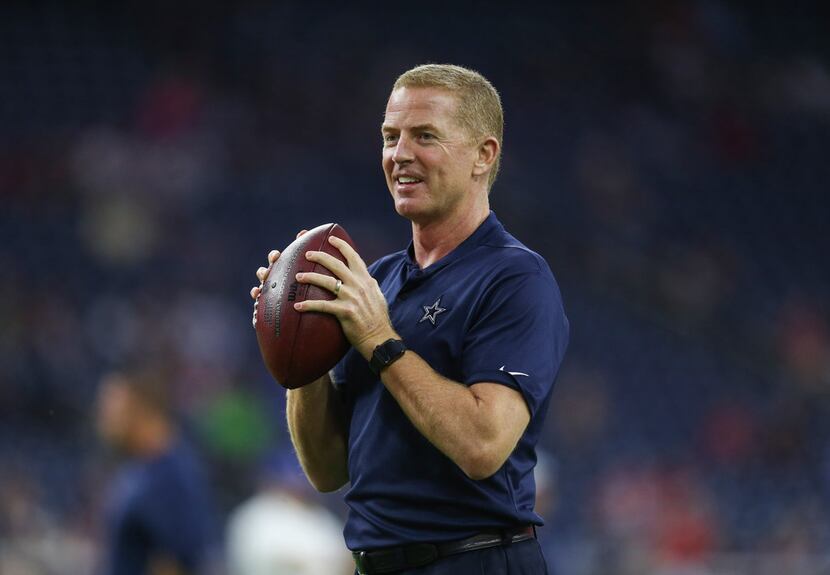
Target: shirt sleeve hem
pixel 500 377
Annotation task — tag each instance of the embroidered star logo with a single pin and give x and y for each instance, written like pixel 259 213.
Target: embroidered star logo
pixel 431 311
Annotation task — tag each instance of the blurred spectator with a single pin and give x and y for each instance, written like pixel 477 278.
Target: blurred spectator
pixel 656 519
pixel 159 513
pixel 804 345
pixel 729 433
pixel 546 500
pixel 282 530
pixel 581 410
pixel 32 540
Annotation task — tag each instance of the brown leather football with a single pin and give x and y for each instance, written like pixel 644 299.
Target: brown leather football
pixel 298 348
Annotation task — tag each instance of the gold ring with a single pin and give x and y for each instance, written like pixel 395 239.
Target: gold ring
pixel 337 287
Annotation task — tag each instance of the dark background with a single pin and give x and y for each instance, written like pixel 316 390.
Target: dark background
pixel 669 159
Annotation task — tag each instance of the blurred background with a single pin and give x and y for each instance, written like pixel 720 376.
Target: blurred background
pixel 669 159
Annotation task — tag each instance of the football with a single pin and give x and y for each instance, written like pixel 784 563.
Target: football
pixel 298 348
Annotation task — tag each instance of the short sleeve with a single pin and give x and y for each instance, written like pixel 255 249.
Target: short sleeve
pixel 342 380
pixel 339 374
pixel 518 337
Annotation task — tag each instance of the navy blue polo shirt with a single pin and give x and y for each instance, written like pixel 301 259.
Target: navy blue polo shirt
pixel 489 311
pixel 159 507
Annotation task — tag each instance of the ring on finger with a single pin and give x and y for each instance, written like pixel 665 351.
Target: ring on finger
pixel 337 287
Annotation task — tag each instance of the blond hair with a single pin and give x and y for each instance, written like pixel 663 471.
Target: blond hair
pixel 479 108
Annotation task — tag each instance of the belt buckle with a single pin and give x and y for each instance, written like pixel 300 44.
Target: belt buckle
pixel 361 562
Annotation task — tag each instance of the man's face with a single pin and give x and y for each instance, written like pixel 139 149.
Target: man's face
pixel 428 157
pixel 115 412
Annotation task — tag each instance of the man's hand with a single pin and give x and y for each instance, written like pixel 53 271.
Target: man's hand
pixel 262 273
pixel 359 304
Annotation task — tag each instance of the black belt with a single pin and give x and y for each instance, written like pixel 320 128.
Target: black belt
pixel 394 559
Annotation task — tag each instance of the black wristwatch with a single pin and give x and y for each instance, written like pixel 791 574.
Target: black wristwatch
pixel 386 353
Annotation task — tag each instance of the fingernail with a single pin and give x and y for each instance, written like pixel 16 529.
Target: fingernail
pixel 298 306
pixel 299 275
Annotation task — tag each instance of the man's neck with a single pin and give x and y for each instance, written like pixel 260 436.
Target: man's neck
pixel 433 240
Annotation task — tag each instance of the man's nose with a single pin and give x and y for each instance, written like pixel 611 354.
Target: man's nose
pixel 403 151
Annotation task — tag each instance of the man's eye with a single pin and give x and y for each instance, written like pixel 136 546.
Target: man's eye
pixel 389 138
pixel 427 136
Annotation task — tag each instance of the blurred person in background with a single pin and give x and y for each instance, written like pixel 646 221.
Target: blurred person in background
pixel 545 477
pixel 158 515
pixel 435 412
pixel 283 530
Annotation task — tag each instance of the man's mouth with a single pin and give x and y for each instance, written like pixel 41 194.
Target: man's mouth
pixel 407 180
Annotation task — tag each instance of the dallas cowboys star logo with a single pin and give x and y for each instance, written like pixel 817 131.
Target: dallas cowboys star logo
pixel 431 311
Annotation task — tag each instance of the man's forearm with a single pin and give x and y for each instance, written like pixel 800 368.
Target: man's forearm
pixel 478 431
pixel 317 429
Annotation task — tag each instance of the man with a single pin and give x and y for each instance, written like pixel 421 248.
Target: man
pixel 158 517
pixel 434 414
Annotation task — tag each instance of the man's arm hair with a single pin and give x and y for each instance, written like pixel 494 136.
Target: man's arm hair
pixel 476 426
pixel 317 424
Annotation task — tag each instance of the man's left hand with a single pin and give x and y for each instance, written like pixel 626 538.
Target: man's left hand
pixel 359 304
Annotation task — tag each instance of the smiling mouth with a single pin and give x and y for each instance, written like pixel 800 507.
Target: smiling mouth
pixel 407 180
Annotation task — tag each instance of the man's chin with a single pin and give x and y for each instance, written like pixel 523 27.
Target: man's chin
pixel 412 209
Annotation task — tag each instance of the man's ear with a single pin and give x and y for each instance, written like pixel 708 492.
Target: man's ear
pixel 487 153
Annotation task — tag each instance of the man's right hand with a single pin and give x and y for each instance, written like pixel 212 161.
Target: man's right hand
pixel 261 274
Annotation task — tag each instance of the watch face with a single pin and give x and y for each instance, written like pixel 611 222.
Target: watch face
pixel 386 353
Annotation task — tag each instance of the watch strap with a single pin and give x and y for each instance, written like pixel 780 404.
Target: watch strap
pixel 386 353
